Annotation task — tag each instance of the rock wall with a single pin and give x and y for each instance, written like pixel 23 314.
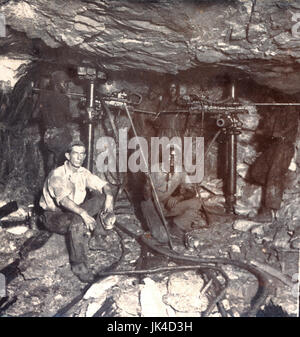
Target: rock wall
pixel 258 37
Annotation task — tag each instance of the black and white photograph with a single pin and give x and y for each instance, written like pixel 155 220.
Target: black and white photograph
pixel 149 160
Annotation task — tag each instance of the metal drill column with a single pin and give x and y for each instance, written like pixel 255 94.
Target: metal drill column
pixel 90 109
pixel 231 148
pixel 231 171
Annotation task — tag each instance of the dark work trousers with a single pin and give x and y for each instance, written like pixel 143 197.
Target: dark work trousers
pixel 269 171
pixel 72 225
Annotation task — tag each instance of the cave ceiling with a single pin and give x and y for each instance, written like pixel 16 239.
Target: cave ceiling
pixel 256 38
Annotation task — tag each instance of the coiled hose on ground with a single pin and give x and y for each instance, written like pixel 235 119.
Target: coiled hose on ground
pixel 204 266
pixel 207 266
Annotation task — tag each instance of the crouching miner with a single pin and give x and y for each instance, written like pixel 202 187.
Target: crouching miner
pixel 67 212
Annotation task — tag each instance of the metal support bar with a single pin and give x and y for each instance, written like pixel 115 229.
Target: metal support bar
pixel 90 127
pixel 231 172
pixel 231 163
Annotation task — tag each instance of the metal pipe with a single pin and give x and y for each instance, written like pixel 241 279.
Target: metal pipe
pixel 90 127
pixel 153 112
pixel 270 104
pixel 231 162
pixel 231 172
pixel 67 94
pixel 233 91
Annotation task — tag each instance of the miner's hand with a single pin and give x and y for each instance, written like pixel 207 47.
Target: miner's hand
pixel 89 221
pixel 108 207
pixel 92 113
pixel 70 205
pixel 171 202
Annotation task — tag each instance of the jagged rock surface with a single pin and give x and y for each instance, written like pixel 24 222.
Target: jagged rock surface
pixel 258 37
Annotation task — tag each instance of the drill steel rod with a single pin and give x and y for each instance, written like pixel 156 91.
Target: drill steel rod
pixel 151 181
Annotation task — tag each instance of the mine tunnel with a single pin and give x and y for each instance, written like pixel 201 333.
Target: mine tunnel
pixel 113 78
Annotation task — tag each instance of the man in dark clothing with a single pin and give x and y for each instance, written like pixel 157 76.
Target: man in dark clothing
pixel 280 127
pixel 54 113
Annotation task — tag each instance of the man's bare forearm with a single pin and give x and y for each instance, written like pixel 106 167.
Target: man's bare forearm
pixel 109 200
pixel 72 207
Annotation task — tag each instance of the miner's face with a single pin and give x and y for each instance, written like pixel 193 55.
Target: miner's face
pixel 182 90
pixel 77 156
pixel 152 95
pixel 173 90
pixel 64 85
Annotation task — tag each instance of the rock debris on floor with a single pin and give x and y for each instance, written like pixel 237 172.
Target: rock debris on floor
pixel 45 283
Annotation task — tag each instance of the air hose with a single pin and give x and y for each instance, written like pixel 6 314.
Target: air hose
pixel 263 282
pixel 202 265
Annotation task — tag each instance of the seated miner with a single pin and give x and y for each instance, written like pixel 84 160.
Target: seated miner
pixel 279 131
pixel 66 210
pixel 177 199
